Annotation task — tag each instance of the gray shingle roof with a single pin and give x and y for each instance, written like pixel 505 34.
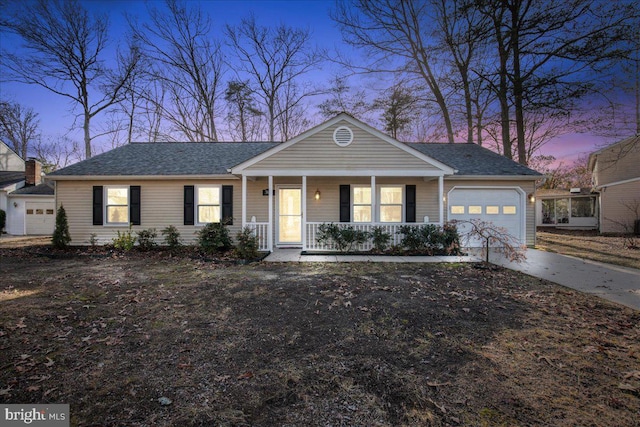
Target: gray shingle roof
pixel 472 159
pixel 175 158
pixel 188 158
pixel 35 190
pixel 10 177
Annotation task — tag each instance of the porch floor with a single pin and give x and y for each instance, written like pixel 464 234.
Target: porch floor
pixel 295 255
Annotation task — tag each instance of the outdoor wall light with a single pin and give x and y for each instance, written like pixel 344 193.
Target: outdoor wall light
pixel 532 197
pixel 317 195
pixel 15 204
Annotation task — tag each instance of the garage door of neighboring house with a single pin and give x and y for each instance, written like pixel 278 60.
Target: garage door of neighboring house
pixel 40 217
pixel 504 207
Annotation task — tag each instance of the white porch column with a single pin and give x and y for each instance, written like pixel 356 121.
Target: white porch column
pixel 441 198
pixel 373 200
pixel 270 226
pixel 244 201
pixel 304 213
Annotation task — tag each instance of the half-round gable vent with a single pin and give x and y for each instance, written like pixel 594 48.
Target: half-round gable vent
pixel 343 136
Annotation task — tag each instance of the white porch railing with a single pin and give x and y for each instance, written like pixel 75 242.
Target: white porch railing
pixel 261 231
pixel 312 244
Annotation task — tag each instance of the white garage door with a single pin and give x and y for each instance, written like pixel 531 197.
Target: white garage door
pixel 40 217
pixel 500 206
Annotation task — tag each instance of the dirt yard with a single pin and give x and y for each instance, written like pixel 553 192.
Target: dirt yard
pixel 590 245
pixel 154 340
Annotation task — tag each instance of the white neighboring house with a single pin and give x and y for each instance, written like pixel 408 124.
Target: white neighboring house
pixel 28 202
pixel 11 173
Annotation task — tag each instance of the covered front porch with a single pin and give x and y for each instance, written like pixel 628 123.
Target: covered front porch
pixel 286 211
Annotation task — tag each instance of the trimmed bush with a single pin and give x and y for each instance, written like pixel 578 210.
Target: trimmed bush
pixel 247 244
pixel 147 238
pixel 171 236
pixel 125 240
pixel 431 239
pixel 61 237
pixel 380 238
pixel 214 237
pixel 341 238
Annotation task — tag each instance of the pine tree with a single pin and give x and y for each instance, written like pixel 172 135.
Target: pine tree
pixel 61 237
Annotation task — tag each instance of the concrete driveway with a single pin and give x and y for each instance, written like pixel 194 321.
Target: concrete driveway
pixel 618 284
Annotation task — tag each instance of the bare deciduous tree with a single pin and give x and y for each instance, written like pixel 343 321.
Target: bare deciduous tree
pixel 274 59
pixel 185 57
pixel 18 126
pixel 545 50
pixel 57 152
pixel 341 99
pixel 66 48
pixel 396 35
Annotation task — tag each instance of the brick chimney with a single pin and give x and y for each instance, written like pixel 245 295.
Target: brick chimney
pixel 33 172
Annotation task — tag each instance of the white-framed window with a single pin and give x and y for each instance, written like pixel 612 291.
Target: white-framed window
pixel 116 208
pixel 208 204
pixel 391 203
pixel 361 204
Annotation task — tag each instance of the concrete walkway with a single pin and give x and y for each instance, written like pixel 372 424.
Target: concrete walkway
pixel 611 282
pixel 617 284
pixel 294 255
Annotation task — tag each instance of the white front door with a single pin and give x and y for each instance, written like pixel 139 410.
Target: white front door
pixel 289 216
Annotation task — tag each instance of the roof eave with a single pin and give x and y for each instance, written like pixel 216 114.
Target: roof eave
pixel 138 177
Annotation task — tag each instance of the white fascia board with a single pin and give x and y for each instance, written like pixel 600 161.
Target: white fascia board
pixel 137 177
pixel 612 184
pixel 239 169
pixel 345 172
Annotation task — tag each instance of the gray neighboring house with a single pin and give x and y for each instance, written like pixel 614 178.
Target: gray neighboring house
pixel 28 202
pixel 341 171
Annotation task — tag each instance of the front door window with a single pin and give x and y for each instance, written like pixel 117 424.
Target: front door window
pixel 290 215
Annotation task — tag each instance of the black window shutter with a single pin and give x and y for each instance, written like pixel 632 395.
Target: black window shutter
pixel 134 204
pixel 410 197
pixel 188 205
pixel 227 204
pixel 345 203
pixel 97 204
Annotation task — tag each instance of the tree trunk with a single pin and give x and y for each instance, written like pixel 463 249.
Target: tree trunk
pixel 517 83
pixel 87 135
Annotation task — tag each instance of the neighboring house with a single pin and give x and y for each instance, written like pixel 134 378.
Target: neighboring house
pixel 285 191
pixel 28 203
pixel 572 209
pixel 11 173
pixel 616 177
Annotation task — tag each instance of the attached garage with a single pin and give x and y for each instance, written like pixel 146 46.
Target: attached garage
pixel 503 206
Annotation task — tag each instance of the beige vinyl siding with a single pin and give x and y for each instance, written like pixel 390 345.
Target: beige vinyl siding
pixel 318 151
pixel 161 205
pixel 527 186
pixel 327 209
pixel 617 205
pixel 617 163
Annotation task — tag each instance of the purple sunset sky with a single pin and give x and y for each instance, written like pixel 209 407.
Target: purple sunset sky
pixel 55 117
